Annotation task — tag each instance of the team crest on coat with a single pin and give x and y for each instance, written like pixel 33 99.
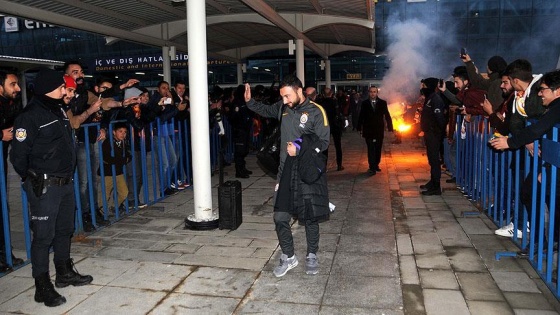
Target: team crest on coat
pixel 304 118
pixel 21 134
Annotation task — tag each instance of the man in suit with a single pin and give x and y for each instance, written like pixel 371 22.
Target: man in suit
pixel 372 127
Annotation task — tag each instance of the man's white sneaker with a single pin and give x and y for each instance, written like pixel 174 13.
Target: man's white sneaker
pixel 285 265
pixel 508 230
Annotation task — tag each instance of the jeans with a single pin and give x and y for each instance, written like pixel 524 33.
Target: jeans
pixel 168 159
pixel 83 172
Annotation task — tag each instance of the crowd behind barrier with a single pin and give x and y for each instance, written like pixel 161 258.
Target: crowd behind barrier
pixel 146 165
pixel 494 180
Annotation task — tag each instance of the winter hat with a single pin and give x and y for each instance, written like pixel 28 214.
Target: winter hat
pixel 132 92
pixel 497 64
pixel 431 83
pixel 47 80
pixel 70 82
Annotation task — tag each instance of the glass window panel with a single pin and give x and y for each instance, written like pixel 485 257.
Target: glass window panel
pixel 517 8
pixel 483 27
pixel 484 8
pixel 452 9
pixel 519 26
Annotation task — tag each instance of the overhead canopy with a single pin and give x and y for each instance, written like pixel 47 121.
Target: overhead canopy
pixel 236 28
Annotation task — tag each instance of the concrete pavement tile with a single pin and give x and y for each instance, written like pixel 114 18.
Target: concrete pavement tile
pixel 334 310
pixel 413 299
pixel 438 207
pixel 489 308
pixel 465 259
pixel 474 226
pixel 220 241
pixel 479 286
pixel 13 286
pixel 445 302
pixel 259 226
pixel 122 243
pixel 115 300
pixel 182 248
pixel 152 276
pixel 222 282
pixel 269 234
pixel 408 269
pixel 504 264
pixel 404 244
pixel 438 279
pixel 366 264
pixel 137 255
pixel 528 301
pixel 231 251
pixel 433 261
pixel 510 281
pixel 520 311
pixel 360 291
pixel 25 303
pixel 442 216
pixel 450 230
pixel 252 306
pixel 293 287
pixel 187 304
pixel 366 243
pixel 421 225
pixel 487 242
pixel 374 227
pixel 155 237
pixel 252 263
pixel 104 271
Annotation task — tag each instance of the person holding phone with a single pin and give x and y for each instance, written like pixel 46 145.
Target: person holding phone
pixel 491 85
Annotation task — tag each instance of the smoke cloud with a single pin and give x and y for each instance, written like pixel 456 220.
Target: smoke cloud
pixel 414 54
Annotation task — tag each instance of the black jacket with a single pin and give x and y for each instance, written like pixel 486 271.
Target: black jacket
pixel 370 122
pixel 43 139
pixel 433 114
pixel 538 129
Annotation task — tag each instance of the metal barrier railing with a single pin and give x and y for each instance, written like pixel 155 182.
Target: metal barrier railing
pixel 147 160
pixel 513 187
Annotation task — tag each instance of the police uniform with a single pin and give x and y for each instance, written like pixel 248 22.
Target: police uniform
pixel 43 155
pixel 433 124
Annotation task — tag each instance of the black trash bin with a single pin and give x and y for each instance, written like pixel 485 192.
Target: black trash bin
pixel 229 203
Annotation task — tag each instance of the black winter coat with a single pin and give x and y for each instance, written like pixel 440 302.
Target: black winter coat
pixel 371 123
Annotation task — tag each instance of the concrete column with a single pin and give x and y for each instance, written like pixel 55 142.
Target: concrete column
pixel 198 87
pixel 23 86
pixel 300 60
pixel 328 82
pixel 239 73
pixel 166 64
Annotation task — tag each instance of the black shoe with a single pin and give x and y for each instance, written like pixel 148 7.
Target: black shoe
pixel 100 217
pixel 4 267
pixel 45 292
pixel 429 185
pixel 242 175
pixel 340 168
pixel 371 172
pixel 170 191
pixel 247 171
pixel 451 180
pixel 16 261
pixel 378 169
pixel 66 274
pixel 88 226
pixel 432 192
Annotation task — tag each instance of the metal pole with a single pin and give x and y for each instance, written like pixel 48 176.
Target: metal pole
pixel 300 60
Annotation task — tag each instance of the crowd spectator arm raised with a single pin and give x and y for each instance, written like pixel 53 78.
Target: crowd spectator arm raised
pixel 495 66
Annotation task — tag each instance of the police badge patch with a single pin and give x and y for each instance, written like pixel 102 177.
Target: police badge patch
pixel 21 134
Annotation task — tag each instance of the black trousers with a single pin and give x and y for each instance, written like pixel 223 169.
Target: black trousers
pixel 3 251
pixel 285 237
pixel 374 148
pixel 52 223
pixel 337 140
pixel 433 147
pixel 526 199
pixel 241 150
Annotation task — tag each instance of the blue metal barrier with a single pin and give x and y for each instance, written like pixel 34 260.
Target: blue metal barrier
pixel 154 178
pixel 495 182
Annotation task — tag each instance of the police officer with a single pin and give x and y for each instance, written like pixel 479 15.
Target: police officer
pixel 43 155
pixel 433 124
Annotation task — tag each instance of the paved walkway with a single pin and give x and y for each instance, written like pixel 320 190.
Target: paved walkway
pixel 386 250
